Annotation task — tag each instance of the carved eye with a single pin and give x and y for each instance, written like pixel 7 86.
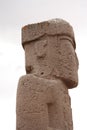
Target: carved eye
pixel 40 48
pixel 68 39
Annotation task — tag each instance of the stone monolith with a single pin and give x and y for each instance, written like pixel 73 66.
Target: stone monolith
pixel 43 101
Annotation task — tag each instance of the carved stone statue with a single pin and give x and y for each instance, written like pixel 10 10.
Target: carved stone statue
pixel 43 102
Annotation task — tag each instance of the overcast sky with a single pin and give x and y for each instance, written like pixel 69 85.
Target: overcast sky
pixel 13 15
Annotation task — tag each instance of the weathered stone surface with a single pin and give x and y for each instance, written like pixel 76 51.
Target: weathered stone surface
pixel 43 102
pixel 52 27
pixel 53 54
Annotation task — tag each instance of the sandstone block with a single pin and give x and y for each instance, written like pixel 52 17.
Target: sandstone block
pixel 50 51
pixel 43 103
pixel 51 63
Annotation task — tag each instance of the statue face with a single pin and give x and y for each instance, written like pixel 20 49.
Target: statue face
pixel 52 55
pixel 36 56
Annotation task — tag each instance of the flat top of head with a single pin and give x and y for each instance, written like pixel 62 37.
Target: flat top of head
pixel 51 21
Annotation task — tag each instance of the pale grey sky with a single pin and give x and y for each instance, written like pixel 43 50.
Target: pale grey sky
pixel 13 15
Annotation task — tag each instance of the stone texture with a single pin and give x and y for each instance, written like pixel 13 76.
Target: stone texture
pixel 43 102
pixel 51 27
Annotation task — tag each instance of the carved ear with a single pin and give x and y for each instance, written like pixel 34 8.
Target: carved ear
pixel 40 48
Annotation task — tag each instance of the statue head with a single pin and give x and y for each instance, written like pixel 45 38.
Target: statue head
pixel 50 51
